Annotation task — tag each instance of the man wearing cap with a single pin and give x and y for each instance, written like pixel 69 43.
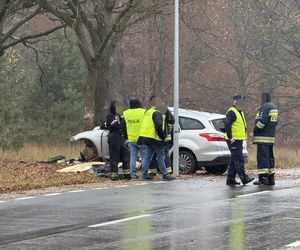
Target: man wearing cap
pixel 235 134
pixel 264 137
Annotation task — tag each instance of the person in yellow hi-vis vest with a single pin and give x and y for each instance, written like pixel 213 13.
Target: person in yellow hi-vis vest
pixel 168 128
pixel 152 135
pixel 133 121
pixel 235 134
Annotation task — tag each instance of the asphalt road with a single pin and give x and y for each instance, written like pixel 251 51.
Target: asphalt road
pixel 193 214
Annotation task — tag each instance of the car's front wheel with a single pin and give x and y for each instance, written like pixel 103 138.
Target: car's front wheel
pixel 187 162
pixel 216 169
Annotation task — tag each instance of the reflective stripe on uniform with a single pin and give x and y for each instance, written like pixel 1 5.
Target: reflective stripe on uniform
pixel 263 171
pixel 263 139
pixel 271 171
pixel 260 124
pixel 126 171
pixel 273 113
pixel 152 171
pixel 169 170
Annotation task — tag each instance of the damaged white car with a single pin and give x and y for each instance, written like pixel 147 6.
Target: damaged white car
pixel 201 142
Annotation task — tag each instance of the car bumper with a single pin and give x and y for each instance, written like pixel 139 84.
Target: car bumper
pixel 220 160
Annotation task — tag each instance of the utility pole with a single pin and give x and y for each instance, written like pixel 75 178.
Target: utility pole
pixel 176 91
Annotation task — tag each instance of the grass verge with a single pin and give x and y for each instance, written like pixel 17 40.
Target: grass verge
pixel 16 176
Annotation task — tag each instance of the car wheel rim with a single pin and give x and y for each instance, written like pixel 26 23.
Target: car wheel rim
pixel 185 163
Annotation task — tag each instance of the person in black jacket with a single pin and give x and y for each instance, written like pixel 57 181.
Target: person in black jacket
pixel 264 137
pixel 168 142
pixel 118 151
pixel 153 135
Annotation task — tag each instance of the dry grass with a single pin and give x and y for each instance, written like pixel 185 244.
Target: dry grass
pixel 16 176
pixel 32 153
pixel 285 158
pixel 19 176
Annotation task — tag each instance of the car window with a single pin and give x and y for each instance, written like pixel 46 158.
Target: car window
pixel 190 124
pixel 219 124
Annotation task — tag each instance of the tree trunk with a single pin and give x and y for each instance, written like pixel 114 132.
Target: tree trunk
pixel 89 100
pixel 102 92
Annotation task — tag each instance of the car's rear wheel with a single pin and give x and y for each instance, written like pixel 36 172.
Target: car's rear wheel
pixel 216 169
pixel 187 162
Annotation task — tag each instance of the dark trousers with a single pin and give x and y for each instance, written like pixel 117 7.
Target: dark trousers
pixel 118 152
pixel 237 162
pixel 265 156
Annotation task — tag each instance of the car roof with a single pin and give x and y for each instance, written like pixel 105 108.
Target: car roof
pixel 196 113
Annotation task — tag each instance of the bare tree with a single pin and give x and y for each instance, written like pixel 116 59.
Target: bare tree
pixel 14 14
pixel 99 26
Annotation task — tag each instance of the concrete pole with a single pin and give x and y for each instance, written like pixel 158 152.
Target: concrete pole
pixel 176 90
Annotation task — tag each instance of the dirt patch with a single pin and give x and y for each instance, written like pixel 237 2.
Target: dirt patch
pixel 21 179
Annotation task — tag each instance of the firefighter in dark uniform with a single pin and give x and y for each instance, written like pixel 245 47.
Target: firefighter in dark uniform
pixel 235 134
pixel 264 137
pixel 118 151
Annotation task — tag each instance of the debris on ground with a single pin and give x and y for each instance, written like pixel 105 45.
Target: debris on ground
pixel 80 167
pixel 54 159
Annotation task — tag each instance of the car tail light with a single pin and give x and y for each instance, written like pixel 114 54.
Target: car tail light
pixel 213 136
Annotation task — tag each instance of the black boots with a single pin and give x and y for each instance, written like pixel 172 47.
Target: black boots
pixel 232 182
pixel 265 179
pixel 247 179
pixel 271 178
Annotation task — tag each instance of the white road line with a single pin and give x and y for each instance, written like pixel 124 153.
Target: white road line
pixel 2 201
pixel 100 188
pixel 121 186
pixel 142 184
pixel 120 221
pixel 52 194
pixel 77 191
pixel 294 244
pixel 257 193
pixel 159 182
pixel 26 198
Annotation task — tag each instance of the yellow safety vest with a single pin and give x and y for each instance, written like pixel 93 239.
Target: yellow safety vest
pixel 148 128
pixel 133 119
pixel 239 127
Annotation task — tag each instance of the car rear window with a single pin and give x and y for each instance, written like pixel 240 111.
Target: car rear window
pixel 190 124
pixel 219 124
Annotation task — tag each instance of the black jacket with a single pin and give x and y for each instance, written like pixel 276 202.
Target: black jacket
pixel 265 123
pixel 117 127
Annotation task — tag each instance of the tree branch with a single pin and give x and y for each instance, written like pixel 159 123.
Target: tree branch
pixel 32 36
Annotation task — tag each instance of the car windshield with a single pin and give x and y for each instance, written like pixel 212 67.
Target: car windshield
pixel 219 124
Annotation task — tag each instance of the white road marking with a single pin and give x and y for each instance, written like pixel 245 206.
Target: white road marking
pixel 2 201
pixel 158 182
pixel 257 193
pixel 294 244
pixel 99 188
pixel 142 184
pixel 120 221
pixel 121 186
pixel 26 198
pixel 52 194
pixel 77 191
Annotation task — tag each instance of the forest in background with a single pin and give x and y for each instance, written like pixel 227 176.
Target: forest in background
pixel 50 85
